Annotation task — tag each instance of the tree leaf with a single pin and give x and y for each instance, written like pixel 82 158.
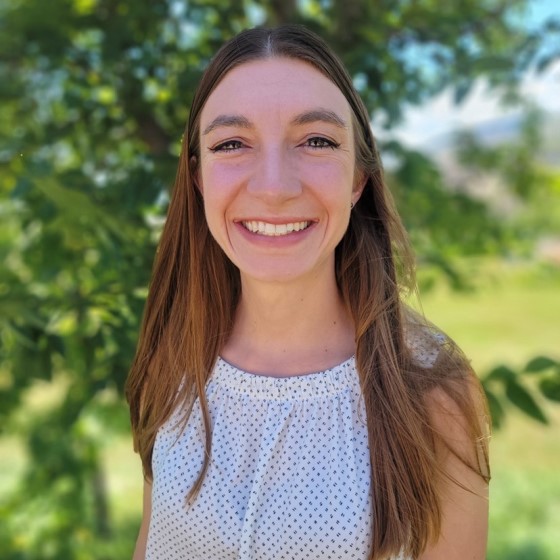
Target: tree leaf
pixel 550 388
pixel 523 400
pixel 545 61
pixel 540 363
pixel 496 409
pixel 500 373
pixel 462 89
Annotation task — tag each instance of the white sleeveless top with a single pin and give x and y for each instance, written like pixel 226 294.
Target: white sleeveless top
pixel 289 476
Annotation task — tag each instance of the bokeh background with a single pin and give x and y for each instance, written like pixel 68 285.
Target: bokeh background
pixel 94 94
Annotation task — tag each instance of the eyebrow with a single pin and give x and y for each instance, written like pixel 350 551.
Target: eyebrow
pixel 319 115
pixel 307 117
pixel 228 120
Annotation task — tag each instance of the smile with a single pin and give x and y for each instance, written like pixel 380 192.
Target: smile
pixel 274 230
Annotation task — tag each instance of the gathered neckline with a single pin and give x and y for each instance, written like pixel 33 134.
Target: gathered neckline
pixel 318 372
pixel 329 381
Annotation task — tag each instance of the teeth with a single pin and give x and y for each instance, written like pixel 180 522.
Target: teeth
pixel 274 230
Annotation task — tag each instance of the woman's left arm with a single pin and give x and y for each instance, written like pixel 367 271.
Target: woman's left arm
pixel 464 520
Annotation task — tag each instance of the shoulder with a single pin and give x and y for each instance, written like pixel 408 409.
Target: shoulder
pixel 461 446
pixel 459 416
pixel 460 422
pixel 424 342
pixel 453 396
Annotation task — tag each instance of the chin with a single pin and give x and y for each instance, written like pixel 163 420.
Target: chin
pixel 272 274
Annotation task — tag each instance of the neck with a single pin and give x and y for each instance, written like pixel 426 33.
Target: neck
pixel 290 329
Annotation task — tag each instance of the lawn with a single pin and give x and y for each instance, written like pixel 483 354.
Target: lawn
pixel 512 316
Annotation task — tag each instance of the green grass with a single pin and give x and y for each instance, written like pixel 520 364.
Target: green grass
pixel 525 491
pixel 509 319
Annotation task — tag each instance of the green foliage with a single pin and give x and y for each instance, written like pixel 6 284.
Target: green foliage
pixel 527 186
pixel 514 161
pixel 523 389
pixel 443 224
pixel 93 100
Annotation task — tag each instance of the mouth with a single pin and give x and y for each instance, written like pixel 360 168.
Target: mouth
pixel 274 230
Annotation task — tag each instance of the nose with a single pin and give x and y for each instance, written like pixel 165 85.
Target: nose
pixel 275 177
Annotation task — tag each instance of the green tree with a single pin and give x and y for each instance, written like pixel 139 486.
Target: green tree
pixel 93 100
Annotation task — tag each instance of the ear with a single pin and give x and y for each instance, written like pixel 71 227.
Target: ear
pixel 359 185
pixel 194 169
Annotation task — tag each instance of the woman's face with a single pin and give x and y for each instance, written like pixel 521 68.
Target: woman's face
pixel 277 169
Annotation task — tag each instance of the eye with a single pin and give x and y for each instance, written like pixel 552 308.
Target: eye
pixel 318 143
pixel 228 146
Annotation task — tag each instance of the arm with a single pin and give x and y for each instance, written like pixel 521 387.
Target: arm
pixel 140 550
pixel 464 524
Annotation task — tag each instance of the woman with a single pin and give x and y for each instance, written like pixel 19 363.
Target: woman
pixel 284 401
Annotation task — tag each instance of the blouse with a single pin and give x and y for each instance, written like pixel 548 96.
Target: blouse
pixel 289 476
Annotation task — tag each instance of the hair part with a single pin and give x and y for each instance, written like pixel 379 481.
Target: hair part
pixel 195 290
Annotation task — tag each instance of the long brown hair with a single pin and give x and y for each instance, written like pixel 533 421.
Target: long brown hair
pixel 195 290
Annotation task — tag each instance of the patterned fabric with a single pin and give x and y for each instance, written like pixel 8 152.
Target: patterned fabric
pixel 289 476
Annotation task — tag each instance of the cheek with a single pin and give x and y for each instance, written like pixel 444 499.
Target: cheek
pixel 220 186
pixel 223 172
pixel 331 179
pixel 219 182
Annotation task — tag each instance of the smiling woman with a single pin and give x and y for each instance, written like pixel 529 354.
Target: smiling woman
pixel 284 401
pixel 272 160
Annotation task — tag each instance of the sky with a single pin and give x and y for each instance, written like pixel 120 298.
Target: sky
pixel 440 116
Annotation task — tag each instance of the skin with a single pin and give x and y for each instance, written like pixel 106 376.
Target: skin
pixel 277 146
pixel 140 549
pixel 464 531
pixel 290 158
pixel 277 169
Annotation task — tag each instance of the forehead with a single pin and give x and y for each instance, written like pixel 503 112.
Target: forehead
pixel 274 87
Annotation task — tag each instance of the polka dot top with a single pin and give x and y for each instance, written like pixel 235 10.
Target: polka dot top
pixel 289 476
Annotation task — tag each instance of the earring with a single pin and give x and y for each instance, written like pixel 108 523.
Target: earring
pixel 351 205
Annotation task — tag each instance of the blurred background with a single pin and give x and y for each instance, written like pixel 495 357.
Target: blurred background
pixel 94 95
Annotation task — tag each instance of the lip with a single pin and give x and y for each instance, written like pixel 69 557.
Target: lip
pixel 275 221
